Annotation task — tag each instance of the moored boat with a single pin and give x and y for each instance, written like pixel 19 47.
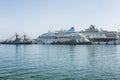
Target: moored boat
pixel 17 40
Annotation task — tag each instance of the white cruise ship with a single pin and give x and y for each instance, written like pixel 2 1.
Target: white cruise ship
pixel 63 37
pixel 96 35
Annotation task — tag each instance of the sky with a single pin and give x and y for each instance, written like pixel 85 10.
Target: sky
pixel 35 17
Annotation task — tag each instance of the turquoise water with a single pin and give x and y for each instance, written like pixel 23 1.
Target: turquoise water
pixel 59 62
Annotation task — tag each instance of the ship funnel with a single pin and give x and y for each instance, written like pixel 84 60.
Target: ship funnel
pixel 72 29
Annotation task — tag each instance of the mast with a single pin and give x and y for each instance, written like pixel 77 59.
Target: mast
pixel 16 36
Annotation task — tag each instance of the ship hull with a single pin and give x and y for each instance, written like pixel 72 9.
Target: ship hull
pixel 16 43
pixel 73 42
pixel 81 43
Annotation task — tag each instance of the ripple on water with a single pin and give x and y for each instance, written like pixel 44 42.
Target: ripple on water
pixel 60 62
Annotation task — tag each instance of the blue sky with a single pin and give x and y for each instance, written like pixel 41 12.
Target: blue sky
pixel 34 17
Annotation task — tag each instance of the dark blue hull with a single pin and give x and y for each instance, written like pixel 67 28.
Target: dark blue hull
pixel 73 42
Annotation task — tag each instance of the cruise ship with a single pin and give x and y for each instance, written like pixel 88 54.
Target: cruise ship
pixel 101 36
pixel 63 37
pixel 96 35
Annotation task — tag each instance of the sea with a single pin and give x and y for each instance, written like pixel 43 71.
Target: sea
pixel 59 62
